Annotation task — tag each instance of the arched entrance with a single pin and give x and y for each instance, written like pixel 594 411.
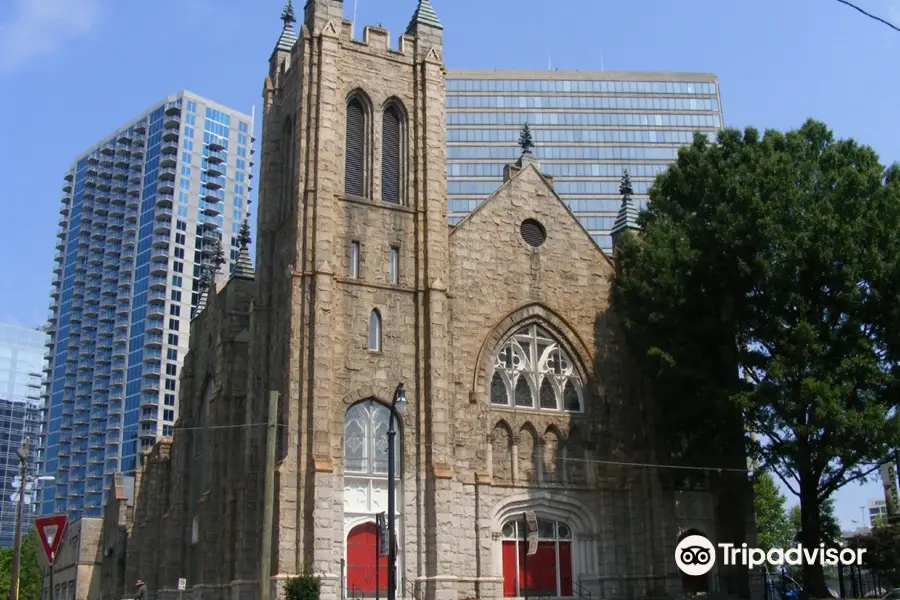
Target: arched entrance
pixel 548 572
pixel 693 585
pixel 365 469
pixel 366 571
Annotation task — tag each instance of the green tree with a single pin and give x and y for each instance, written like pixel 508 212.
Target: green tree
pixel 766 279
pixel 30 572
pixel 829 528
pixel 882 554
pixel 773 527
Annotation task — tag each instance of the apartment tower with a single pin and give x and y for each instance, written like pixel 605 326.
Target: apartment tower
pixel 141 212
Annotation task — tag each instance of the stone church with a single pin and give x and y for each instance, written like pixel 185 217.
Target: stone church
pixel 521 400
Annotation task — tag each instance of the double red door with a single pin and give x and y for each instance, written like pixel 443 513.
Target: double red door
pixel 366 571
pixel 537 575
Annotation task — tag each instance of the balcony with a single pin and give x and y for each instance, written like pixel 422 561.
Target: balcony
pixel 139 128
pixel 169 148
pixel 69 176
pixel 173 108
pixel 160 255
pixel 67 186
pixel 153 355
pixel 216 145
pixel 153 340
pixel 159 268
pixel 214 196
pixel 170 134
pixel 160 240
pixel 215 157
pixel 172 120
pixel 213 183
pixel 165 187
pixel 167 173
pixel 210 236
pixel 162 227
pixel 168 160
pixel 158 282
pixel 155 325
pixel 214 169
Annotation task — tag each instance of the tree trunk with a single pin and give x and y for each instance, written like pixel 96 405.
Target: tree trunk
pixel 810 537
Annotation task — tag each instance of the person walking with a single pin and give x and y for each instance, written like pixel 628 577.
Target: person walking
pixel 141 590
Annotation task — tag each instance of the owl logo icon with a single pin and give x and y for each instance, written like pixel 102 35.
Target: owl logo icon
pixel 695 555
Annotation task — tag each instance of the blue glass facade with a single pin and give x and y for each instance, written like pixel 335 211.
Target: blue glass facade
pixel 21 416
pixel 587 126
pixel 122 310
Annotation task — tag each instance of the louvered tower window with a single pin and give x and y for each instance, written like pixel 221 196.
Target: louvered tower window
pixel 287 161
pixel 390 155
pixel 355 156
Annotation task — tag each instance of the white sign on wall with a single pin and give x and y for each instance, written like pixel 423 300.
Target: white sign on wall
pixel 182 584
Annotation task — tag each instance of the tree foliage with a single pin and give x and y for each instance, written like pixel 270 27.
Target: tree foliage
pixel 773 527
pixel 829 527
pixel 767 279
pixel 30 572
pixel 882 545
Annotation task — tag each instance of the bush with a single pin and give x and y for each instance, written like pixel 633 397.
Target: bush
pixel 303 587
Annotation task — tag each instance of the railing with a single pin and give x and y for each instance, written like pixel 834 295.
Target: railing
pixel 409 590
pixel 580 591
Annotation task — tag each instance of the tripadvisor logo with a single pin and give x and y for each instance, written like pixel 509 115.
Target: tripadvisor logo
pixel 695 555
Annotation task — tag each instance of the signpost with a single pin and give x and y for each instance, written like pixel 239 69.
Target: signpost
pixel 531 535
pixel 182 585
pixel 50 531
pixel 381 548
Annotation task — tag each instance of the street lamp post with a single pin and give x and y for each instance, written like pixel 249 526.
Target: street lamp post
pixel 22 453
pixel 398 406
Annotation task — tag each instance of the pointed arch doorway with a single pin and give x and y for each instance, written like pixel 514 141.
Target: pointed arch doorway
pixel 365 496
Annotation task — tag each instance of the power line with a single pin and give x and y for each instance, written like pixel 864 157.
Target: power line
pixel 870 15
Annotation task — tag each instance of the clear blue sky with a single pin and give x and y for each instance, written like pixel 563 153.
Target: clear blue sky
pixel 73 70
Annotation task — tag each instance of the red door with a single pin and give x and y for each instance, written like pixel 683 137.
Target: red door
pixel 538 574
pixel 362 549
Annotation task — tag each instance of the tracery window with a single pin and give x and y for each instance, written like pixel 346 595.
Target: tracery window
pixel 549 571
pixel 531 370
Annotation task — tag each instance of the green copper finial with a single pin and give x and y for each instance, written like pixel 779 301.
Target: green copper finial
pixel 287 15
pixel 424 15
pixel 627 219
pixel 526 141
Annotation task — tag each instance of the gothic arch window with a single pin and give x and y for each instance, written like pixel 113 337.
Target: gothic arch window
pixel 531 370
pixel 549 570
pixel 366 486
pixel 392 152
pixel 356 145
pixel 375 330
pixel 288 169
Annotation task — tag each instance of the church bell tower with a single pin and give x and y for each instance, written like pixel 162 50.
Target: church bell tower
pixel 352 260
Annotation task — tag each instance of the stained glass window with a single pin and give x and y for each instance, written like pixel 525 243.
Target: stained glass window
pixel 531 370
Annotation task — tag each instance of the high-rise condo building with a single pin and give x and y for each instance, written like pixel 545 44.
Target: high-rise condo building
pixel 588 126
pixel 21 415
pixel 141 212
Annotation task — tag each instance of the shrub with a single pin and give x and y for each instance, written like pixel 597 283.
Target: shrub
pixel 303 587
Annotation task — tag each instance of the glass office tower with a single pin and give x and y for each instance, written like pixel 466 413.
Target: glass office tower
pixel 21 416
pixel 141 211
pixel 588 127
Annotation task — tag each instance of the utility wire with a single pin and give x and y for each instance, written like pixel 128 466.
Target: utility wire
pixel 559 458
pixel 870 15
